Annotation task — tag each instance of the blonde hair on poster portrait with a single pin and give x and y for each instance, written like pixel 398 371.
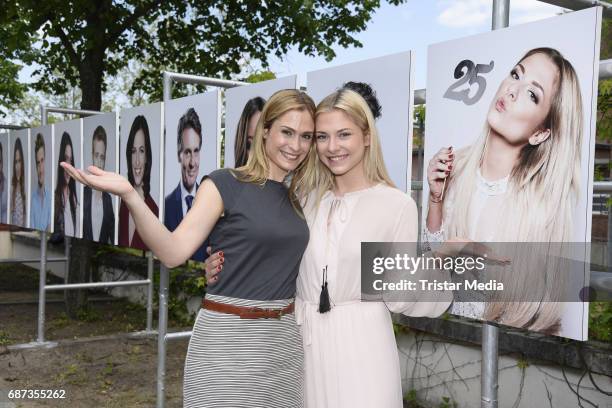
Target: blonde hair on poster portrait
pixel 543 190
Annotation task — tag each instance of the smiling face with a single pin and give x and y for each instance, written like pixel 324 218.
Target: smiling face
pixel 287 141
pixel 139 158
pixel 341 144
pixel 523 101
pixel 190 158
pixel 40 166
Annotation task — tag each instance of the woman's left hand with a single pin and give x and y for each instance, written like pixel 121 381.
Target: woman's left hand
pixel 213 265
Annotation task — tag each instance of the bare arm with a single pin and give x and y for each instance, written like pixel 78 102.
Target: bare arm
pixel 172 248
pixel 438 170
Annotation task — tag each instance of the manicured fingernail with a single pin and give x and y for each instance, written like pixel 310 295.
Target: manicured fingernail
pixel 222 260
pixel 221 254
pixel 219 267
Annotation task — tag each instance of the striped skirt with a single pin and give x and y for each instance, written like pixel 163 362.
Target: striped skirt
pixel 250 363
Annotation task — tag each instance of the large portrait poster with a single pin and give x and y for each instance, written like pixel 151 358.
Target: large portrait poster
pixel 41 178
pixel 139 160
pixel 4 177
pixel 66 191
pixel 19 180
pixel 193 127
pixel 510 135
pixel 100 143
pixel 389 77
pixel 243 104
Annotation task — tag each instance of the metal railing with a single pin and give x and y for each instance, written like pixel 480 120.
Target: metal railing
pixel 43 287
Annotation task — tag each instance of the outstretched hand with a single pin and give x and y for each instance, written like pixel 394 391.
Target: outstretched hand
pixel 100 180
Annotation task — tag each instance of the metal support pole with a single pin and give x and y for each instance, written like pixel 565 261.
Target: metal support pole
pixel 162 328
pixel 162 324
pixel 150 291
pixel 490 356
pixel 94 285
pixel 501 14
pixel 488 381
pixel 41 287
pixel 42 273
pixel 609 243
pixel 67 255
pixel 196 79
pixel 161 335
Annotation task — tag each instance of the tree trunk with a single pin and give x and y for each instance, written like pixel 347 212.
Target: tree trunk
pixel 81 250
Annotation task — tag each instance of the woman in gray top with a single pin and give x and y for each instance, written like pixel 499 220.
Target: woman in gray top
pixel 245 350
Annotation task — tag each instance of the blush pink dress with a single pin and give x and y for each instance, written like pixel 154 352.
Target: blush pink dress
pixel 350 353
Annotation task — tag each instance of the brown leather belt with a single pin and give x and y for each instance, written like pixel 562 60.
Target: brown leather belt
pixel 247 312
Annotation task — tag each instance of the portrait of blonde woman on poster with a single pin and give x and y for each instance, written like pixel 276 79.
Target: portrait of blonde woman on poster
pixel 18 191
pixel 98 214
pixel 518 181
pixel 3 185
pixel 139 162
pixel 246 129
pixel 40 205
pixel 66 201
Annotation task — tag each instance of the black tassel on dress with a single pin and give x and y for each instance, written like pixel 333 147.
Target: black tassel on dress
pixel 324 304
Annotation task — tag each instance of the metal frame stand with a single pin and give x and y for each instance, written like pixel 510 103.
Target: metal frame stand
pixel 43 287
pixel 490 353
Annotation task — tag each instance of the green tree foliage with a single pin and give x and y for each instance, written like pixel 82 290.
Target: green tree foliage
pixel 604 98
pixel 11 91
pixel 79 43
pixel 260 76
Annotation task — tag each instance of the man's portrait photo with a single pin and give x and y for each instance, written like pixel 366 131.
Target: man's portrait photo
pixel 191 152
pixel 40 201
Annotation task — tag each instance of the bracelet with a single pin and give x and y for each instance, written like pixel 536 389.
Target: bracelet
pixel 432 200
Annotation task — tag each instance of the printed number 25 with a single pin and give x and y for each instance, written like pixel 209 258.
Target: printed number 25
pixel 470 76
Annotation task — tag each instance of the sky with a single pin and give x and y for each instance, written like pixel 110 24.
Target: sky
pixel 413 26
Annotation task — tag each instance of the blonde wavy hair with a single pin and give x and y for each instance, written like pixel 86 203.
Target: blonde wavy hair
pixel 543 191
pixel 257 168
pixel 316 177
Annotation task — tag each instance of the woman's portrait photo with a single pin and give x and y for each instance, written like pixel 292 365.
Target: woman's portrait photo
pixel 140 134
pixel 19 142
pixel 243 106
pixel 507 156
pixel 192 133
pixel 99 208
pixel 66 196
pixel 389 78
pixel 246 129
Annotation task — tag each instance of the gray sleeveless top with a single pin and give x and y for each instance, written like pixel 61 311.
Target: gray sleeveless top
pixel 262 238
